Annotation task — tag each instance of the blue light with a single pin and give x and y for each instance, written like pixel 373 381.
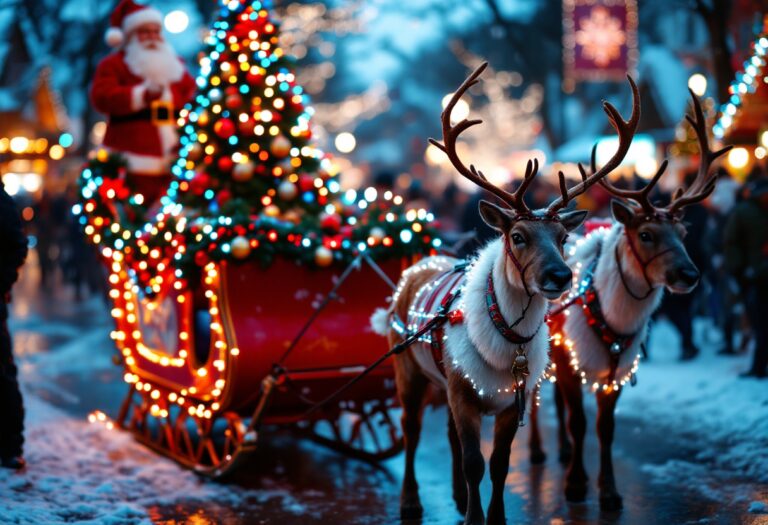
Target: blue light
pixel 406 236
pixel 208 194
pixel 66 140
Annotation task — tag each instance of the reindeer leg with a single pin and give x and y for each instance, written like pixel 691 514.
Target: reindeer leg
pixel 536 452
pixel 467 415
pixel 610 499
pixel 565 452
pixel 459 482
pixel 576 477
pixel 503 434
pixel 411 388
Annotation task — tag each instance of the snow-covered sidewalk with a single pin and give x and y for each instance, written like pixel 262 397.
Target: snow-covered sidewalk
pixel 722 416
pixel 80 472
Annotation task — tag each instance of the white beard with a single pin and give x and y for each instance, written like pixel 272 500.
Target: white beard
pixel 160 66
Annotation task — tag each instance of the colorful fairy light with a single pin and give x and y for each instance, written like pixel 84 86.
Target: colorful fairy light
pixel 747 80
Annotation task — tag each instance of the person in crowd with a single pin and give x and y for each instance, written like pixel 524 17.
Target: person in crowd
pixel 12 256
pixel 679 308
pixel 746 259
pixel 141 87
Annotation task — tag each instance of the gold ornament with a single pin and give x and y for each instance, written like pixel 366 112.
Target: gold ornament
pixel 280 146
pixel 272 211
pixel 240 247
pixel 323 256
pixel 243 172
pixel 202 120
pixel 287 190
pixel 195 151
pixel 292 216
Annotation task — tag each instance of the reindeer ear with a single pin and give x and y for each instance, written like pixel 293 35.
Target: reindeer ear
pixel 622 212
pixel 497 218
pixel 572 219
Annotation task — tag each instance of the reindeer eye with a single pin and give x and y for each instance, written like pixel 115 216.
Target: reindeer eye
pixel 517 238
pixel 645 236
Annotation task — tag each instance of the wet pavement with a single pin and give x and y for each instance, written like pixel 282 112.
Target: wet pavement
pixel 329 488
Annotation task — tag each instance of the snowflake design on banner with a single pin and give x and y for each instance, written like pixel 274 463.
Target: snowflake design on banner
pixel 601 36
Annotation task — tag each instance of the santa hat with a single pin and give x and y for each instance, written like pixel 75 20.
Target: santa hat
pixel 127 16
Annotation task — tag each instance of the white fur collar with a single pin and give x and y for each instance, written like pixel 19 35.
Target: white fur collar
pixel 476 348
pixel 623 313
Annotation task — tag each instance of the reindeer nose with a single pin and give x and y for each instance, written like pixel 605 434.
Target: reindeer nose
pixel 689 276
pixel 557 278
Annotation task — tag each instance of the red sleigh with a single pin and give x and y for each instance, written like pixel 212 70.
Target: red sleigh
pixel 201 362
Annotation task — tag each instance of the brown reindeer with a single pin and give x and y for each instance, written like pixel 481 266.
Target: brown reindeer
pixel 492 348
pixel 598 330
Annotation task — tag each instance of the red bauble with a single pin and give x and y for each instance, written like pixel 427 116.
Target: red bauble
pixel 201 258
pixel 234 101
pixel 223 197
pixel 231 90
pixel 330 221
pixel 225 164
pixel 246 128
pixel 224 128
pixel 306 183
pixel 253 79
pixel 200 183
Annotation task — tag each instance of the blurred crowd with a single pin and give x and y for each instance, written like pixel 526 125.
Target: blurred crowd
pixel 727 239
pixel 63 256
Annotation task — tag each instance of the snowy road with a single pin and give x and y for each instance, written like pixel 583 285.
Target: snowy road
pixel 691 447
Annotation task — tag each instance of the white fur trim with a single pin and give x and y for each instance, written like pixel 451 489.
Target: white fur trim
pixel 380 321
pixel 143 16
pixel 623 313
pixel 137 97
pixel 114 37
pixel 147 164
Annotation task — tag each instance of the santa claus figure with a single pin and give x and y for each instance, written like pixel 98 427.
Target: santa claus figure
pixel 141 88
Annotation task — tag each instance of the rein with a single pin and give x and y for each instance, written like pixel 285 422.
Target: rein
pixel 643 264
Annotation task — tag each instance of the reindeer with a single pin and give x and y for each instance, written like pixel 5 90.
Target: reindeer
pixel 493 335
pixel 598 330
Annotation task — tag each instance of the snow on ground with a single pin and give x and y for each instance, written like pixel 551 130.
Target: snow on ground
pixel 84 473
pixel 724 417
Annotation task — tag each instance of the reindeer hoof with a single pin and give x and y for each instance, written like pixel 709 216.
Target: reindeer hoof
pixel 611 502
pixel 538 456
pixel 576 492
pixel 411 511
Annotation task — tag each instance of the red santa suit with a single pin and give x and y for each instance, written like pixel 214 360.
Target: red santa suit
pixel 141 129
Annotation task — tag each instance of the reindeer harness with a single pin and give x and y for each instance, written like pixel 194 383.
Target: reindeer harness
pixel 615 342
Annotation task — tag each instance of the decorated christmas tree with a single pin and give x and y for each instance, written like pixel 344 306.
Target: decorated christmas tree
pixel 249 183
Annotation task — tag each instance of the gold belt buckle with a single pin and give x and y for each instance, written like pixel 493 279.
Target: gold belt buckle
pixel 162 112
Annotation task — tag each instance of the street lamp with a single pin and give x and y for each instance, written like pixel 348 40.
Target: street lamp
pixel 460 110
pixel 698 84
pixel 345 142
pixel 176 21
pixel 738 158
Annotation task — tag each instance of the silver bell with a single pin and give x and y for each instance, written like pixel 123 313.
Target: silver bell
pixel 521 361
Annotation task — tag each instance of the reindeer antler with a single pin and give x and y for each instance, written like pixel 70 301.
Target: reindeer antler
pixel 702 186
pixel 452 132
pixel 625 130
pixel 704 183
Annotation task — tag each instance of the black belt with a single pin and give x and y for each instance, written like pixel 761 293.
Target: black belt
pixel 160 115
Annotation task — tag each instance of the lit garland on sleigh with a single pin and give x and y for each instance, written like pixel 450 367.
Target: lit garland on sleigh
pixel 248 184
